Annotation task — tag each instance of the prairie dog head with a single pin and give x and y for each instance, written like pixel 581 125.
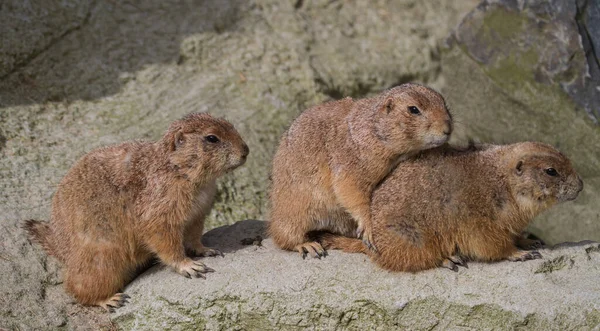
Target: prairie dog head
pixel 200 144
pixel 412 117
pixel 541 176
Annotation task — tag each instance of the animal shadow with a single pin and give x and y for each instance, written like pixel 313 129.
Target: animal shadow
pixel 230 238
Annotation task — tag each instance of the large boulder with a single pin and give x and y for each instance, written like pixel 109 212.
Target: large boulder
pixel 259 287
pixel 528 71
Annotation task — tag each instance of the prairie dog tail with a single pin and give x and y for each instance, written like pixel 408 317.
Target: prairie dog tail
pixel 348 245
pixel 39 232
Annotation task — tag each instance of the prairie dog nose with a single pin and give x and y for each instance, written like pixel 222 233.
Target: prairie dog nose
pixel 245 151
pixel 448 127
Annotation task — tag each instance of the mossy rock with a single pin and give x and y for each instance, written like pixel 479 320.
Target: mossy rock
pixel 516 74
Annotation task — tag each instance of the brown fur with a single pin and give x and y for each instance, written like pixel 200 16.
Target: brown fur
pixel 472 203
pixel 333 155
pixel 120 206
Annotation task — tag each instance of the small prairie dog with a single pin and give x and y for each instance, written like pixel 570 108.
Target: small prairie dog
pixel 448 204
pixel 334 154
pixel 120 206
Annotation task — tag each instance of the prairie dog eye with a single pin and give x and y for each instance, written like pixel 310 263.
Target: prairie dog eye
pixel 551 172
pixel 212 139
pixel 414 110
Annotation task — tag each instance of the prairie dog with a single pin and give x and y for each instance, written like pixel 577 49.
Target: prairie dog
pixel 120 206
pixel 333 155
pixel 448 204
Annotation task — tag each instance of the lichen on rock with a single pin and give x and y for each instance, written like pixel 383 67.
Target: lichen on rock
pixel 520 72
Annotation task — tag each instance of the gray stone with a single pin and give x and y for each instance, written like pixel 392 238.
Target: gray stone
pixel 29 28
pixel 262 287
pixel 31 292
pixel 518 71
pixel 588 22
pixel 259 287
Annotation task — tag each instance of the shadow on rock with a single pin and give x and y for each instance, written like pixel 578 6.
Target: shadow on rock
pixel 227 239
pixel 115 40
pixel 573 244
pixel 231 238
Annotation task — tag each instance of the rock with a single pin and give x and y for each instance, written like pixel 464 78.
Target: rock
pixel 519 71
pixel 259 287
pixel 356 49
pixel 587 92
pixel 262 287
pixel 31 292
pixel 28 29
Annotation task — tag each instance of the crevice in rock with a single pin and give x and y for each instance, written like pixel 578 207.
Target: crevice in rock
pixel 298 4
pixel 588 46
pixel 34 55
pixel 593 249
pixel 556 264
pixel 334 93
pixel 2 141
pixel 593 62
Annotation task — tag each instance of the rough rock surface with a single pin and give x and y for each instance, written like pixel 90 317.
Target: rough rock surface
pixel 259 287
pixel 31 292
pixel 520 72
pixel 28 28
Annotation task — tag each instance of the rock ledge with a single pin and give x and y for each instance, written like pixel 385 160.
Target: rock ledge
pixel 261 287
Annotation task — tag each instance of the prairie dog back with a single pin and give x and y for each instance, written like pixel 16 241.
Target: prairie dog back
pixel 333 155
pixel 449 204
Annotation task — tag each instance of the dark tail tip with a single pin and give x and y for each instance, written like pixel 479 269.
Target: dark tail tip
pixel 32 228
pixel 38 232
pixel 29 226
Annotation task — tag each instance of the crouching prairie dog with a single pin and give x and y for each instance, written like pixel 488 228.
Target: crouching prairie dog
pixel 120 206
pixel 448 204
pixel 333 155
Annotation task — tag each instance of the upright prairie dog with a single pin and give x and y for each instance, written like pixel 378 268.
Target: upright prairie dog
pixel 449 203
pixel 122 205
pixel 334 154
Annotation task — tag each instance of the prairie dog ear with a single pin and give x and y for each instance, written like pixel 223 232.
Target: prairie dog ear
pixel 179 139
pixel 172 138
pixel 519 168
pixel 388 105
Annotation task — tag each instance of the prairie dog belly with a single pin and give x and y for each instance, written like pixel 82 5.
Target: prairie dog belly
pixel 204 200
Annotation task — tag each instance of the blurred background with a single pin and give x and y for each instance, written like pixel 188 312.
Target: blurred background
pixel 78 74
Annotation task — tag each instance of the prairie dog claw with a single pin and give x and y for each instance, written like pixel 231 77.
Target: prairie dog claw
pixel 311 248
pixel 525 256
pixel 190 268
